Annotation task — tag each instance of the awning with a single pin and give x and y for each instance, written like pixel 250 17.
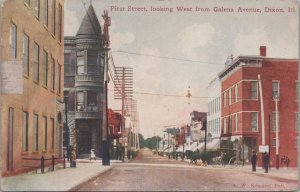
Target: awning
pixel 191 147
pixel 224 138
pixel 214 144
pixel 196 146
pixel 233 138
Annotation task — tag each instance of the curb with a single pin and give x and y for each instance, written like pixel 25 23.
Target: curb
pixel 75 188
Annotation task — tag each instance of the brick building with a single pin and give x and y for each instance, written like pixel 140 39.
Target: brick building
pixel 31 82
pixel 241 111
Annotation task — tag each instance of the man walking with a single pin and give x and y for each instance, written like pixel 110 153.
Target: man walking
pixel 253 161
pixel 266 162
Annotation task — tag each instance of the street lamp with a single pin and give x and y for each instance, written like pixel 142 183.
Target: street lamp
pixel 67 133
pixel 189 95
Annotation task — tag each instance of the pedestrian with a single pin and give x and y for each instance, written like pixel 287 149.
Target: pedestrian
pixel 266 162
pixel 253 161
pixel 93 156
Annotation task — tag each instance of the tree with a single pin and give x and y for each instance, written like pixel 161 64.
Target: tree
pixel 153 142
pixel 141 141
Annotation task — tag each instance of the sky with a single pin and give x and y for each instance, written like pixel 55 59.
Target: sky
pixel 170 51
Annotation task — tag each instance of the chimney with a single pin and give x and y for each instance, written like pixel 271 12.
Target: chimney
pixel 263 51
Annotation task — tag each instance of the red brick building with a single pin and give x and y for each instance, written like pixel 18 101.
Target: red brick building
pixel 114 124
pixel 241 106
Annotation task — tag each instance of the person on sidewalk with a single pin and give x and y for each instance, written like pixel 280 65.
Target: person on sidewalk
pixel 253 161
pixel 266 161
pixel 93 156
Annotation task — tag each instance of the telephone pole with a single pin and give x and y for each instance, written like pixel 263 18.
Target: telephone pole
pixel 105 137
pixel 123 91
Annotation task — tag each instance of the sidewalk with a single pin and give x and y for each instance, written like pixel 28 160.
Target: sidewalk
pixel 59 180
pixel 283 173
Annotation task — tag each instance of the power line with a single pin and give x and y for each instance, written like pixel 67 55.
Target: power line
pixel 165 57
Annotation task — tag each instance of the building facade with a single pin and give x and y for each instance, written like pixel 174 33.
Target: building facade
pixel 242 103
pixel 31 82
pixel 84 81
pixel 214 109
pixel 214 114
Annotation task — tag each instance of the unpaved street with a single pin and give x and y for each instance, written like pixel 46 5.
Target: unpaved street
pixel 150 172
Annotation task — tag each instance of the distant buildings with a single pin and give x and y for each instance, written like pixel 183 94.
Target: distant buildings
pixel 197 123
pixel 84 80
pixel 31 111
pixel 241 105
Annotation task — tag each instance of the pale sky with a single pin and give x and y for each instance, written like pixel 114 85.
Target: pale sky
pixel 204 38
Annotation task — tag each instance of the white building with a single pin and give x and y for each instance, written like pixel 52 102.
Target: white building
pixel 214 111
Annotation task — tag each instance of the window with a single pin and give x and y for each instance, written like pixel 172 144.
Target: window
pixel 35 132
pixel 92 64
pixel 225 101
pixel 13 41
pixel 297 90
pixel 67 64
pixel 46 13
pixel 229 124
pixel 80 101
pixel 253 94
pixel 274 142
pixel 25 54
pixel 296 121
pixel 92 98
pixel 229 97
pixel 27 2
pixel 25 132
pixel 52 73
pixel 219 127
pixel 10 139
pixel 253 121
pixel 275 89
pixel 274 121
pixel 37 8
pixel 58 79
pixel 236 92
pixel 81 62
pixel 36 62
pixel 59 23
pixel 45 133
pixel 45 68
pixel 225 125
pixel 236 123
pixel 52 132
pixel 53 17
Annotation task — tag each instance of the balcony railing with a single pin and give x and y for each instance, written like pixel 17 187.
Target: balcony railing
pixel 88 80
pixel 88 77
pixel 87 115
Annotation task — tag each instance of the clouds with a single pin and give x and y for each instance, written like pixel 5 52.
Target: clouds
pixel 248 44
pixel 195 36
pixel 120 39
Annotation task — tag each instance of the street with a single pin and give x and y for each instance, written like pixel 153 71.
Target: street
pixel 150 172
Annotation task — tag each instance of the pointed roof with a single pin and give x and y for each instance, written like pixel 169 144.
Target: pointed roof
pixel 90 24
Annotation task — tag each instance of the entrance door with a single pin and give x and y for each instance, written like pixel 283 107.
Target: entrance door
pixel 10 139
pixel 84 139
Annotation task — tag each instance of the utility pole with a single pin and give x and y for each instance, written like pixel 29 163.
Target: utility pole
pixel 105 138
pixel 123 90
pixel 277 141
pixel 262 111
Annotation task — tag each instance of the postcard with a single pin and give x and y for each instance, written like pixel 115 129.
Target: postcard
pixel 149 95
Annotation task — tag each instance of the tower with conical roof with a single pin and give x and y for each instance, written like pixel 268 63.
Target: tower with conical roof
pixel 84 76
